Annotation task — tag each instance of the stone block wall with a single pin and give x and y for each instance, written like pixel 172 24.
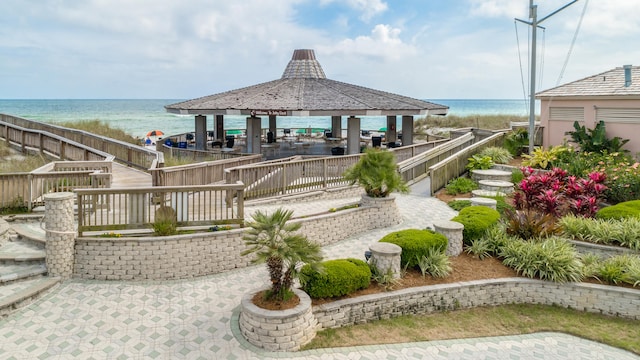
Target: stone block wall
pixel 192 255
pixel 608 300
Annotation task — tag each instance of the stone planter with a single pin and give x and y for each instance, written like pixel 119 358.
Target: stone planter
pixel 387 213
pixel 277 330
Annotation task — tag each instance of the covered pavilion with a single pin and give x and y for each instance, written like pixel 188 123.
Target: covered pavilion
pixel 304 90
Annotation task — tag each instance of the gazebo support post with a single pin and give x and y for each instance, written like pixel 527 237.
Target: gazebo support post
pixel 201 132
pixel 392 134
pixel 254 129
pixel 219 126
pixel 336 126
pixel 273 126
pixel 353 135
pixel 407 130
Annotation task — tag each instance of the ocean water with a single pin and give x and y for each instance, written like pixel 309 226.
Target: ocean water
pixel 138 116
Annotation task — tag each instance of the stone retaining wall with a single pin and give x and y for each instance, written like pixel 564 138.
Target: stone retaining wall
pixel 192 255
pixel 608 300
pixel 604 251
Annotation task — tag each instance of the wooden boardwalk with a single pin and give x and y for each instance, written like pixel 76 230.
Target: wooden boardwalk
pixel 128 177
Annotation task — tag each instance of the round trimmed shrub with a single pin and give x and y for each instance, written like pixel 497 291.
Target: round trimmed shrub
pixel 476 220
pixel 620 211
pixel 337 278
pixel 415 243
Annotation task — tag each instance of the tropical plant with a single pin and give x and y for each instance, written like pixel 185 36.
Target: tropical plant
pixel 479 248
pixel 479 162
pixel 376 173
pixel 274 242
pixel 623 232
pixel 596 139
pixel 529 224
pixel 460 185
pixel 557 193
pixel 499 155
pixel 622 177
pixel 516 140
pixel 553 259
pixel 435 263
pixel 542 158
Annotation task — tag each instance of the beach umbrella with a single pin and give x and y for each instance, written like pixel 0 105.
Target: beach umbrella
pixel 301 131
pixel 382 129
pixel 155 133
pixel 234 132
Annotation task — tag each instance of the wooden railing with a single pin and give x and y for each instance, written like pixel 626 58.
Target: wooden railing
pixel 135 208
pixel 455 165
pixel 295 175
pixel 416 168
pixel 73 144
pixel 28 189
pixel 198 174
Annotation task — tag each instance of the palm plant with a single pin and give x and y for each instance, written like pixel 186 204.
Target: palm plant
pixel 376 173
pixel 274 242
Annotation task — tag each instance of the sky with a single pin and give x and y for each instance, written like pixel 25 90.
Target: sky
pixel 183 49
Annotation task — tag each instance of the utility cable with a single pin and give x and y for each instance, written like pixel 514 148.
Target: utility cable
pixel 524 91
pixel 575 36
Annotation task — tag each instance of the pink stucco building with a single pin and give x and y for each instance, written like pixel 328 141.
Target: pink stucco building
pixel 612 96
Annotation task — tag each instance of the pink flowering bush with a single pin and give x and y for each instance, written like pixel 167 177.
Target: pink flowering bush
pixel 557 194
pixel 622 179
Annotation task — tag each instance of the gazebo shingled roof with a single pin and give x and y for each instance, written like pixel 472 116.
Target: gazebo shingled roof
pixel 304 90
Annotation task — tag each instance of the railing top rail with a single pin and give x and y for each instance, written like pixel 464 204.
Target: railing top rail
pixel 294 160
pixel 203 164
pixel 155 154
pixel 479 143
pixel 157 189
pixel 106 156
pixel 411 162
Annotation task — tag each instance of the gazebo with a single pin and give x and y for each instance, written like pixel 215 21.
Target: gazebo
pixel 304 90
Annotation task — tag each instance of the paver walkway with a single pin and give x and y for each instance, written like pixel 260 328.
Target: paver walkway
pixel 197 319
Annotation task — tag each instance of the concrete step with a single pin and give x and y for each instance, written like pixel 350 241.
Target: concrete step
pixel 21 293
pixel 486 193
pixel 19 272
pixel 30 232
pixel 490 174
pixel 19 252
pixel 505 187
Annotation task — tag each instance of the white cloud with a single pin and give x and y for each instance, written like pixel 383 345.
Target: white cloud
pixel 368 8
pixel 499 8
pixel 384 42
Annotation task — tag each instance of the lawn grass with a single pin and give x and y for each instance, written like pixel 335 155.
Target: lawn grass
pixel 486 321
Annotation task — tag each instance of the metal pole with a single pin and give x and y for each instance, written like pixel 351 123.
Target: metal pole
pixel 532 96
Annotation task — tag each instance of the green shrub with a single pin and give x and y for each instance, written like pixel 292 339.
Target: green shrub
pixel 458 205
pixel 544 158
pixel 478 162
pixel 337 278
pixel 516 176
pixel 491 242
pixel 621 210
pixel 415 243
pixel 516 140
pixel 165 222
pixel 476 220
pixel 624 232
pixel 435 263
pixel 498 155
pixel 460 185
pixel 619 269
pixel 553 259
pixel 501 204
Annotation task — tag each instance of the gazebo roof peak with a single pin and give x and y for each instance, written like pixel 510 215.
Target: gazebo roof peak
pixel 303 65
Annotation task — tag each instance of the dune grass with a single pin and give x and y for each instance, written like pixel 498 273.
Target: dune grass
pixel 101 128
pixel 24 163
pixel 491 122
pixel 486 321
